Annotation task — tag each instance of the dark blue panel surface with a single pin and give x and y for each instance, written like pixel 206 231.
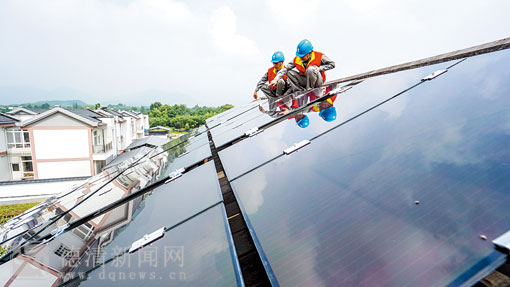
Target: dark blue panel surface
pixel 165 206
pixel 194 150
pixel 347 104
pixel 196 253
pixel 169 204
pixel 399 196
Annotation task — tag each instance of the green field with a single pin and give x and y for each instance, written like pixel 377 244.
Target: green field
pixel 9 211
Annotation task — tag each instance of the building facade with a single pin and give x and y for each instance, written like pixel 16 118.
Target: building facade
pixel 57 143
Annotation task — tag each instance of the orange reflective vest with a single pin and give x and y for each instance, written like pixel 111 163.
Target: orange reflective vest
pixel 271 74
pixel 330 100
pixel 315 60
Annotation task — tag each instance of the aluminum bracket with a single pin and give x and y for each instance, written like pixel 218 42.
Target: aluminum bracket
pixel 503 241
pixel 147 239
pixel 297 146
pixel 434 75
pixel 175 174
pixel 252 132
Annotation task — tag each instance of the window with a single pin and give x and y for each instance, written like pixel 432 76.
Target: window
pixel 27 166
pixel 26 138
pixel 17 138
pixel 97 138
pixel 65 252
pixel 84 231
pixel 15 167
pixel 28 169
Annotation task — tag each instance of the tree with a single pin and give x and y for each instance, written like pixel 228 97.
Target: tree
pixel 97 106
pixel 181 117
pixel 155 105
pixel 45 106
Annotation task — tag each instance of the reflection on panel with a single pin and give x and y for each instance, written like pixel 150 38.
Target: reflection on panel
pixel 398 197
pixel 194 150
pixel 196 253
pixel 116 182
pixel 275 108
pixel 217 120
pixel 168 205
pixel 318 118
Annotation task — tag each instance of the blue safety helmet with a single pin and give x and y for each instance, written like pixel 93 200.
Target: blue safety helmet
pixel 304 47
pixel 277 57
pixel 304 122
pixel 328 114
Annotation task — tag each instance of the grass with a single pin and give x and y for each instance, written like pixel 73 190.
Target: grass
pixel 9 211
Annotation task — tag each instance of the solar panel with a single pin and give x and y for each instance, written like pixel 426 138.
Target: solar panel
pixel 83 199
pixel 401 196
pixel 185 155
pixel 347 105
pixel 169 204
pixel 231 113
pixel 268 113
pixel 404 185
pixel 201 129
pixel 230 123
pixel 196 253
pixel 165 206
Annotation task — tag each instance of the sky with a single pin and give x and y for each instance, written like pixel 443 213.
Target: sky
pixel 214 52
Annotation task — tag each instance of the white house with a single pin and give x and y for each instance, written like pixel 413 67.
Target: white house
pixel 23 114
pixel 57 143
pixel 8 141
pixel 63 143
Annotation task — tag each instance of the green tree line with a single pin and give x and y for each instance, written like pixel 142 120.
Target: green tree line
pixel 180 117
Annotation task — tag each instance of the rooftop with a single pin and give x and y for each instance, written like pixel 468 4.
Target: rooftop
pixel 406 186
pixel 6 119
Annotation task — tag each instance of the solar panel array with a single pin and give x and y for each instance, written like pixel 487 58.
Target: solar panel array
pixel 408 186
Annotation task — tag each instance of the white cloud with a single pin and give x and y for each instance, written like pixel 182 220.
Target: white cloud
pixel 294 12
pixel 224 33
pixel 160 11
pixel 253 198
pixel 119 50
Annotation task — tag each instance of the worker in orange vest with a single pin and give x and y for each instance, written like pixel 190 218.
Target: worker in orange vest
pixel 310 66
pixel 280 86
pixel 326 109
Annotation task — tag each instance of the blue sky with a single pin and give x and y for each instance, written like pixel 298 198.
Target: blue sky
pixel 214 52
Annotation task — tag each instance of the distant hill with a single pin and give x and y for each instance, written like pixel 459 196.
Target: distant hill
pixel 63 103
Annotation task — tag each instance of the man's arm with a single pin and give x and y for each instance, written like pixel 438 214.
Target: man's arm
pixel 326 64
pixel 283 71
pixel 262 81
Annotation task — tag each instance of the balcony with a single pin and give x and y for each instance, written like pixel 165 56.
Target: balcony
pixel 104 148
pixel 19 149
pixel 103 152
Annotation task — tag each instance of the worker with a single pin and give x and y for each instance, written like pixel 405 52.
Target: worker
pixel 284 105
pixel 280 86
pixel 326 109
pixel 302 120
pixel 310 66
